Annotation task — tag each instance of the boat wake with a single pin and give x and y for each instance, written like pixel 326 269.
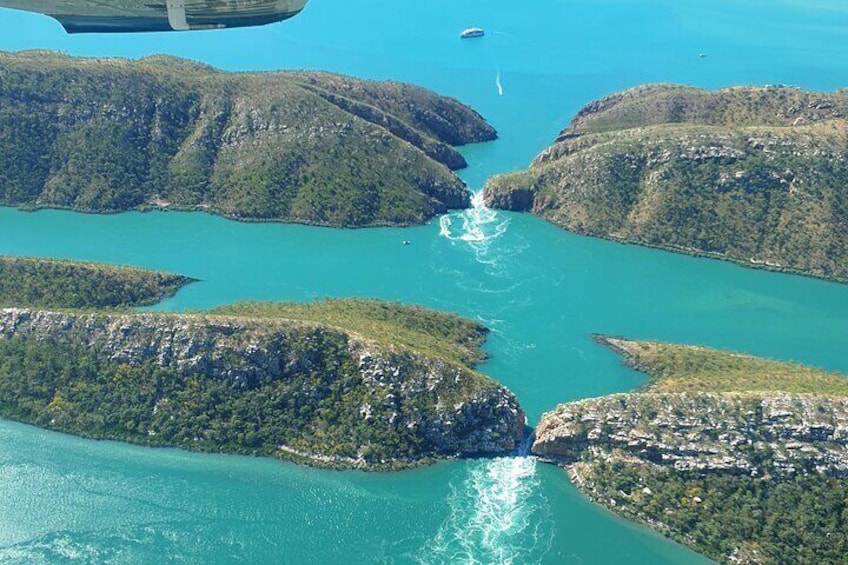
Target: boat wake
pixel 497 515
pixel 498 83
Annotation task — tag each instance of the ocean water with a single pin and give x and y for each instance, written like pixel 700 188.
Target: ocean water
pixel 542 290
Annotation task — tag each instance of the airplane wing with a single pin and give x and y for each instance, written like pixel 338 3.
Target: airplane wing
pixel 93 16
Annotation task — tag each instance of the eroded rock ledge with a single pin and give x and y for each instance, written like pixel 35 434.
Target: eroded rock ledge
pixel 752 434
pixel 297 390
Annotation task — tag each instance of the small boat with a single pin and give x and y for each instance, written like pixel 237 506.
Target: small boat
pixel 472 32
pixel 406 242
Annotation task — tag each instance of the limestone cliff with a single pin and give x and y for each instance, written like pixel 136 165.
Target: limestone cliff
pixel 772 434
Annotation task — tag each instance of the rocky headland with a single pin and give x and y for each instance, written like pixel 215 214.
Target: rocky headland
pixel 109 135
pixel 754 175
pixel 727 453
pixel 345 394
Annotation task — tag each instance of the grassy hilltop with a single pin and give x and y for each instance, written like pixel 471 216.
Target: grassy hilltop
pixel 758 176
pixel 108 135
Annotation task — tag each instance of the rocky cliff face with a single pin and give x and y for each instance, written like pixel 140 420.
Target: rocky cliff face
pixel 114 135
pixel 752 175
pixel 319 395
pixel 485 421
pixel 750 434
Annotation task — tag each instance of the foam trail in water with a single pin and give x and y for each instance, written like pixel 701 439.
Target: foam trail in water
pixel 497 515
pixel 477 219
pixel 479 223
pixel 445 224
pixel 479 227
pixel 498 82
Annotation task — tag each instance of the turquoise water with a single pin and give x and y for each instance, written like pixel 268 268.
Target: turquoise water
pixel 542 290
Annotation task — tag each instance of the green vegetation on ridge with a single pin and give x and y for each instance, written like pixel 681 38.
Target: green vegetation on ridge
pixel 758 176
pixel 733 518
pixel 687 368
pixel 51 283
pixel 326 385
pixel 441 334
pixel 108 135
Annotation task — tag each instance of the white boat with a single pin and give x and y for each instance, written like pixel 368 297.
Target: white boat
pixel 472 32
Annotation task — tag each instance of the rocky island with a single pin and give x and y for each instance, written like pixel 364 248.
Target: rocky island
pixel 52 283
pixel 109 135
pixel 341 383
pixel 743 459
pixel 754 175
